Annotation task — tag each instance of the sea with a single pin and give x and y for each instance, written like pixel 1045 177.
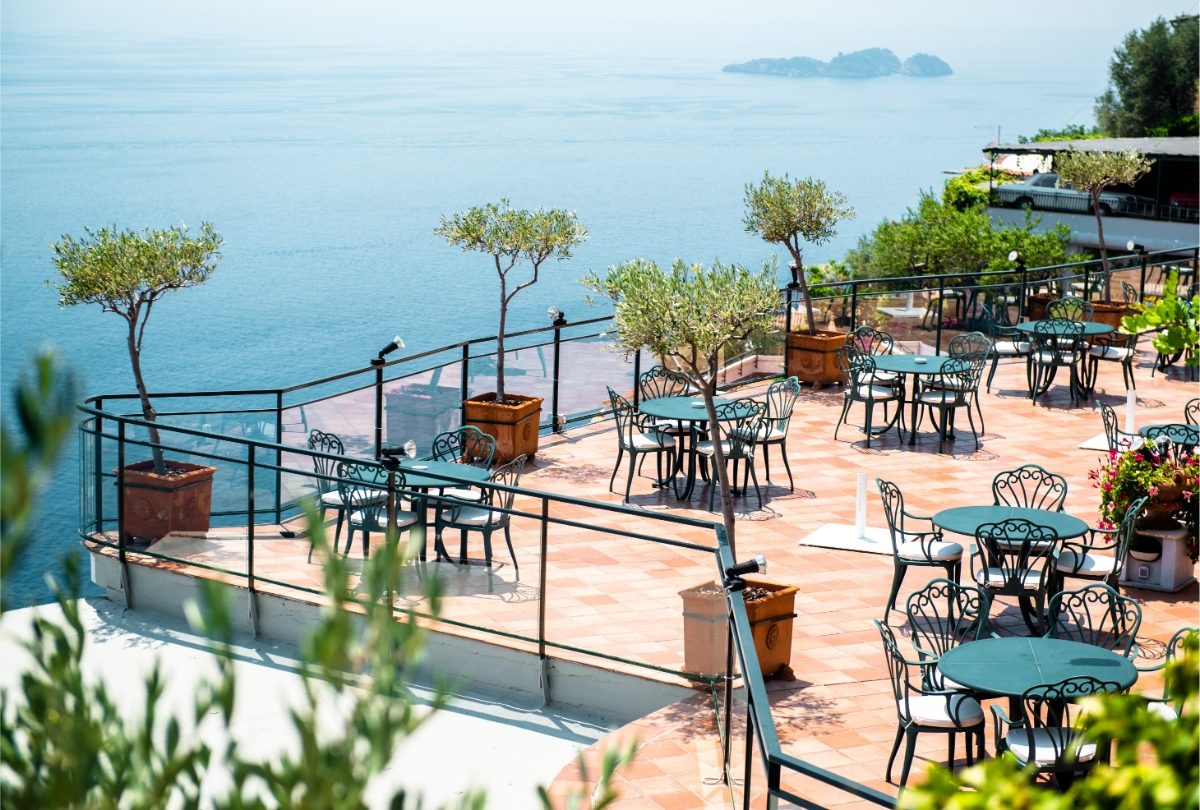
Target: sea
pixel 326 171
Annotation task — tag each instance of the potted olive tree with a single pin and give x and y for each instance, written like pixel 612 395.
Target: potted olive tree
pixel 511 236
pixel 787 212
pixel 1091 173
pixel 688 315
pixel 126 272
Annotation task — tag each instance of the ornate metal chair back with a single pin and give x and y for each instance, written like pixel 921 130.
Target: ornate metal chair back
pixel 1059 340
pixel 1017 555
pixel 1031 487
pixel 744 423
pixel 1181 435
pixel 1070 308
pixel 625 417
pixel 944 614
pixel 508 475
pixel 1097 615
pixel 360 484
pixel 781 399
pixel 869 340
pixel 467 445
pixel 662 382
pixel 1191 412
pixel 1053 706
pixel 969 343
pixel 325 468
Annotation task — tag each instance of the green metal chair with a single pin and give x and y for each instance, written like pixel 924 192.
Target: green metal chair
pixel 1162 706
pixel 328 494
pixel 493 513
pixel 1117 438
pixel 1116 347
pixel 638 436
pixel 860 383
pixel 953 387
pixel 363 489
pixel 1043 736
pixel 915 542
pixel 781 400
pixel 1015 557
pixel 466 445
pixel 941 616
pixel 920 709
pixel 1070 308
pixel 1191 412
pixel 975 348
pixel 1007 340
pixel 1098 615
pixel 1102 556
pixel 1057 343
pixel 743 425
pixel 1030 486
pixel 660 382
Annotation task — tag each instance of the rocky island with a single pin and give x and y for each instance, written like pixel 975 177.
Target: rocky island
pixel 865 64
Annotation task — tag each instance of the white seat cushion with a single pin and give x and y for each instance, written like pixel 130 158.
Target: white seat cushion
pixel 705 448
pixel 652 441
pixel 1047 358
pixel 883 378
pixel 956 711
pixel 402 518
pixel 877 392
pixel 464 494
pixel 1095 565
pixel 1162 709
pixel 939 396
pixel 1030 579
pixel 1111 352
pixel 1011 347
pixel 1049 744
pixel 938 550
pixel 334 498
pixel 940 681
pixel 472 516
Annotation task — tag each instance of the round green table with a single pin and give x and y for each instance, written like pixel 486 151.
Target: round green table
pixel 915 365
pixel 422 475
pixel 681 411
pixel 966 520
pixel 1090 328
pixel 1008 666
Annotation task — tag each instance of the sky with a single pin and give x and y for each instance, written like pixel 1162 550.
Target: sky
pixel 960 31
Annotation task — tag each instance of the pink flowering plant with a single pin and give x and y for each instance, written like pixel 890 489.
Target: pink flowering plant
pixel 1126 475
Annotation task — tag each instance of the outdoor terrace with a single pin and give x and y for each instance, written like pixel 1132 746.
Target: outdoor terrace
pixel 608 594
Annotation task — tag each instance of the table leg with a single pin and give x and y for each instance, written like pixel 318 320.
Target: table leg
pixel 417 531
pixel 912 422
pixel 687 444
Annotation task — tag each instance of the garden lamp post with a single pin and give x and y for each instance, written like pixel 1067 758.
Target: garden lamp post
pixel 377 363
pixel 1133 246
pixel 1016 257
pixel 558 319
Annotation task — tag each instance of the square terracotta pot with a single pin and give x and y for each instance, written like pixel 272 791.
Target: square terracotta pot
pixel 515 427
pixel 157 505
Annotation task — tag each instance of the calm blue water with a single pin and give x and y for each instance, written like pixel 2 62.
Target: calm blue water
pixel 327 171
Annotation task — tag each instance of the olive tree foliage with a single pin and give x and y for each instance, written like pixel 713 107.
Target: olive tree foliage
pixel 1092 173
pixel 1153 82
pixel 1157 762
pixel 688 315
pixel 788 212
pixel 66 740
pixel 127 272
pixel 511 236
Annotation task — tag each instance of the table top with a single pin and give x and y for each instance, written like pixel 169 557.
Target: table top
pixel 1090 328
pixel 424 473
pixel 1180 428
pixel 681 409
pixel 966 519
pixel 1009 666
pixel 909 363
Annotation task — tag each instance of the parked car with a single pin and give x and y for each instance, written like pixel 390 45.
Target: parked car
pixel 1044 191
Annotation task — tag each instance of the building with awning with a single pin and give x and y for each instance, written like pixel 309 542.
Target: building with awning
pixel 1170 219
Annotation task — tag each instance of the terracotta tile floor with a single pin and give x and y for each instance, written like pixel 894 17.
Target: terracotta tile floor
pixel 619 597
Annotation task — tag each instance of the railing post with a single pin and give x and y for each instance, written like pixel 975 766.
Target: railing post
pixel 728 741
pixel 250 464
pixel 555 423
pixel 637 375
pixel 787 309
pixel 98 468
pixel 278 456
pixel 545 545
pixel 1024 293
pixel 748 763
pixel 466 372
pixel 853 306
pixel 378 362
pixel 1087 289
pixel 941 303
pixel 1142 281
pixel 121 492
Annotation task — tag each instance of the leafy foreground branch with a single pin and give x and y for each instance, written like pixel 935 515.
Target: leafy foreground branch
pixel 66 740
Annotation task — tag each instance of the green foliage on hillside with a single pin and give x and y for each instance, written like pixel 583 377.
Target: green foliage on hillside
pixel 1071 132
pixel 970 188
pixel 1153 82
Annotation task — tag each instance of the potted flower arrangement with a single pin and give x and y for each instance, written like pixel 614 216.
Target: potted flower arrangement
pixel 1168 478
pixel 126 272
pixel 785 212
pixel 510 236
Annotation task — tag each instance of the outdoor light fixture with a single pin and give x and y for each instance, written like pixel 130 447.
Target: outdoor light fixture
pixel 1013 256
pixel 1133 246
pixel 794 266
pixel 557 316
pixel 734 573
pixel 408 450
pixel 397 343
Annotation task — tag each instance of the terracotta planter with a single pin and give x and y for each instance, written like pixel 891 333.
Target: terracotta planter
pixel 705 630
pixel 813 358
pixel 771 622
pixel 157 505
pixel 515 427
pixel 1110 314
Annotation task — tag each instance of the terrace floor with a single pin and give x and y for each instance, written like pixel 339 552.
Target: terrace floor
pixel 620 597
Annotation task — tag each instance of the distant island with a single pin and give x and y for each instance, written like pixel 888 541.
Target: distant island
pixel 866 64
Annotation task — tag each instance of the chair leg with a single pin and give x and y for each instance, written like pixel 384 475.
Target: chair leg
pixel 511 553
pixel 870 406
pixel 897 578
pixel 910 746
pixel 753 477
pixel 950 762
pixel 366 541
pixel 895 748
pixel 629 480
pixel 786 466
pixel 487 547
pixel 337 531
pixel 992 371
pixel 766 462
pixel 620 455
pixel 842 418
